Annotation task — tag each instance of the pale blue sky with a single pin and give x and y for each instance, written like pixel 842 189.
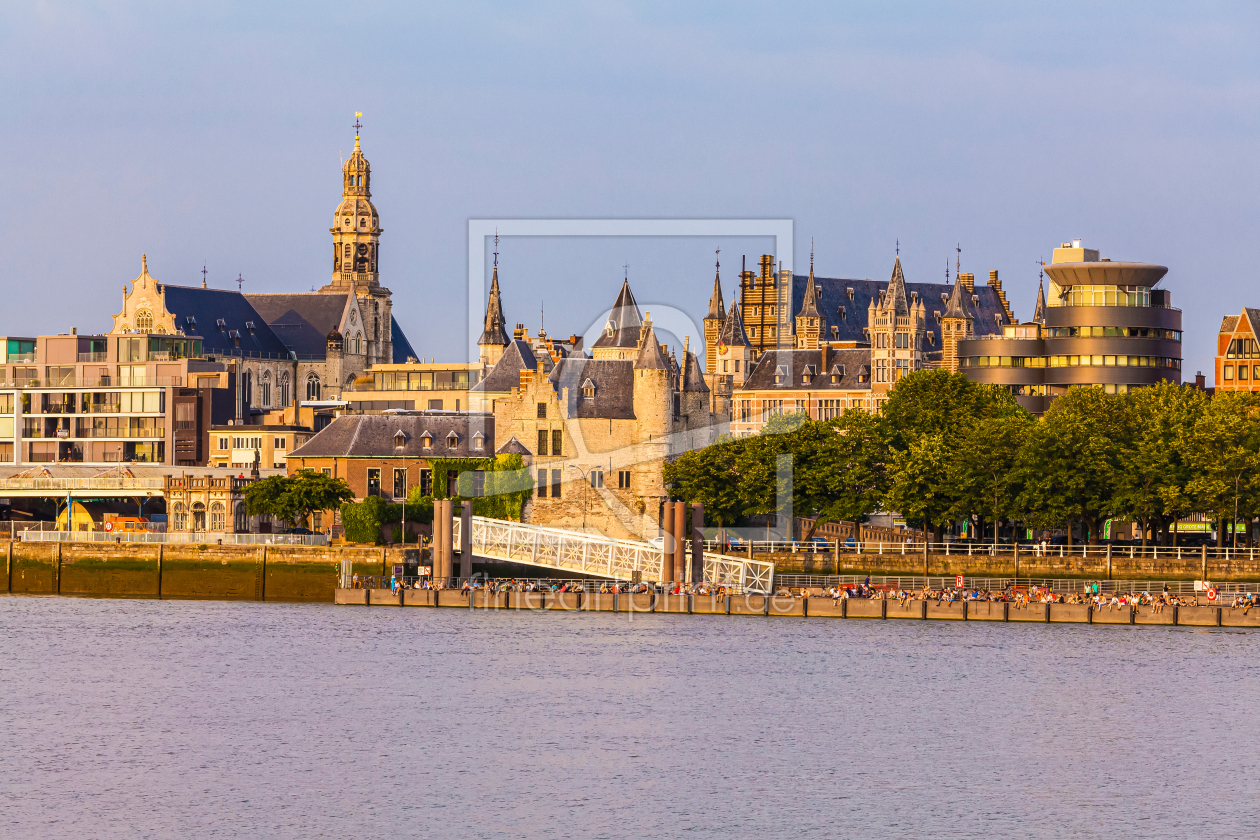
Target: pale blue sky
pixel 213 133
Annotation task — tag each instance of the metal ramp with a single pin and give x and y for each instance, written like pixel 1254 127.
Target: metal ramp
pixel 571 551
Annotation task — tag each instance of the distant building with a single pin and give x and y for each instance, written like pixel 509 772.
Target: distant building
pixel 1102 323
pixel 1237 366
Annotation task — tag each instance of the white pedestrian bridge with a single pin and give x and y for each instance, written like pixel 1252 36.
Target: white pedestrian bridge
pixel 600 556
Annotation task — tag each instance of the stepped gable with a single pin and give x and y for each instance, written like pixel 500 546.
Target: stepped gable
pixel 624 322
pixel 302 321
pixel 208 306
pixel 506 374
pixel 614 387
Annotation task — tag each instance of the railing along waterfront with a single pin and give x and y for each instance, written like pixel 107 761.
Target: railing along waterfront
pixel 174 537
pixel 1060 586
pixel 1116 550
pixel 602 556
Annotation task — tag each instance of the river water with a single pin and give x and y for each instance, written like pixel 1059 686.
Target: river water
pixel 213 719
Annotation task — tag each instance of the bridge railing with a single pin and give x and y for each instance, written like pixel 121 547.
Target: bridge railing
pixel 80 484
pixel 594 554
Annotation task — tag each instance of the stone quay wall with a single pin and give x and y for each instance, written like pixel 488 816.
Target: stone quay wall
pixel 1193 564
pixel 788 606
pixel 211 572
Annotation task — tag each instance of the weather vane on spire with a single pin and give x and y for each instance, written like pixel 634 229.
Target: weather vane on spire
pixel 627 268
pixel 496 247
pixel 717 261
pixel 203 275
pixel 811 245
pixel 958 260
pixel 357 114
pixel 240 280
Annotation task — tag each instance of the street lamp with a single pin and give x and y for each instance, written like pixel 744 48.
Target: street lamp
pixel 585 483
pixel 400 444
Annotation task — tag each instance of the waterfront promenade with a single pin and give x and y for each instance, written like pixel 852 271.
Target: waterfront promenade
pixel 1021 607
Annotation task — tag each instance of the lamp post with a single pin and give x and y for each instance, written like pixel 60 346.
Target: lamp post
pixel 585 484
pixel 400 446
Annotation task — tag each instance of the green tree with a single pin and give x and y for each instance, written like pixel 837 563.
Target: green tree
pixel 1070 467
pixel 1224 455
pixel 1152 482
pixel 292 498
pixel 939 402
pixel 709 476
pixel 920 485
pixel 984 474
pixel 840 471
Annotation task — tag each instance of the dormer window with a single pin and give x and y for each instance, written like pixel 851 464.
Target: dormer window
pixel 235 335
pixel 221 324
pixel 944 298
pixel 975 300
pixel 610 328
pixel 849 292
pixel 426 440
pixel 478 442
pixel 452 441
pixel 779 373
pixel 588 390
pixel 997 316
pixel 400 439
pixel 249 325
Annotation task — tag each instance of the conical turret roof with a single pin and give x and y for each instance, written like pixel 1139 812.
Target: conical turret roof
pixel 895 299
pixel 717 309
pixel 1039 313
pixel 650 355
pixel 495 332
pixel 959 305
pixel 732 334
pixel 624 322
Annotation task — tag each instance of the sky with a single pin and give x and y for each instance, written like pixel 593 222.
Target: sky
pixel 212 134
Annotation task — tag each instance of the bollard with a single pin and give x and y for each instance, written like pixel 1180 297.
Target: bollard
pixel 465 540
pixel 697 543
pixel 680 542
pixel 668 546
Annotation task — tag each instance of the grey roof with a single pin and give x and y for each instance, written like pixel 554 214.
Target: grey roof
pixel 732 334
pixel 403 351
pixel 959 305
pixel 1039 313
pixel 512 447
pixel 833 296
pixel 614 387
pixel 493 332
pixel 650 355
pixel 895 299
pixel 717 309
pixel 692 378
pixel 809 303
pixel 506 374
pixel 1229 323
pixel 372 436
pixel 303 320
pixel 208 306
pixel 852 363
pixel 624 321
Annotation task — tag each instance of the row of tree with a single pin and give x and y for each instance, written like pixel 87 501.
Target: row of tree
pixel 945 449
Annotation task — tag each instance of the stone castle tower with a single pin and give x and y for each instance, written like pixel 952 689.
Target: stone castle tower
pixel 356 233
pixel 811 326
pixel 494 338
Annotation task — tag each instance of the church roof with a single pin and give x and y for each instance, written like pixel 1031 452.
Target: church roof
pixel 959 305
pixel 506 374
pixel 809 304
pixel 624 320
pixel 614 387
pixel 493 333
pixel 403 351
pixel 1039 313
pixel 303 320
pixel 717 309
pixel 650 355
pixel 792 364
pixel 208 306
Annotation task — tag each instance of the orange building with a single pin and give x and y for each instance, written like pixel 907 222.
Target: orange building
pixel 1238 353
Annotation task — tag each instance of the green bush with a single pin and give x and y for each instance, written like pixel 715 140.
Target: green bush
pixel 362 520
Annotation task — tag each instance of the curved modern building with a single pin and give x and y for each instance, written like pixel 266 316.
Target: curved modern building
pixel 1102 324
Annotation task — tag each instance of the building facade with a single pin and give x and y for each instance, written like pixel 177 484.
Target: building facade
pixel 1237 365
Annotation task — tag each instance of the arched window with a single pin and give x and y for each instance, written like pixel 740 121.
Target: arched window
pixel 241 525
pixel 198 516
pixel 179 517
pixel 284 390
pixel 312 387
pixel 144 321
pixel 217 519
pixel 247 391
pixel 264 390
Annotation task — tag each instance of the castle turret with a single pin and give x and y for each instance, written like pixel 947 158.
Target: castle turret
pixel 494 338
pixel 713 321
pixel 810 324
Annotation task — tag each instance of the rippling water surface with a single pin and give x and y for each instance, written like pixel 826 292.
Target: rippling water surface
pixel 206 719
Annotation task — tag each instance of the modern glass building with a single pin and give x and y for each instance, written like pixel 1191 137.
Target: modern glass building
pixel 1100 323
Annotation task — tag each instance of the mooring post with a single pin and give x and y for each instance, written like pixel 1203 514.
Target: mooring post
pixel 465 540
pixel 697 543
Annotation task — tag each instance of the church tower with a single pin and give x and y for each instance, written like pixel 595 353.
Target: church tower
pixel 810 324
pixel 494 338
pixel 897 333
pixel 713 322
pixel 356 233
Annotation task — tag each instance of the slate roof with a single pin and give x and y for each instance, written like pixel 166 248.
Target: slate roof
pixel 403 351
pixel 625 320
pixel 1039 313
pixel 693 378
pixel 512 447
pixel 833 295
pixel 303 321
pixel 959 305
pixel 732 333
pixel 207 306
pixel 372 436
pixel 650 355
pixel 852 363
pixel 493 333
pixel 1229 323
pixel 614 387
pixel 717 309
pixel 506 374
